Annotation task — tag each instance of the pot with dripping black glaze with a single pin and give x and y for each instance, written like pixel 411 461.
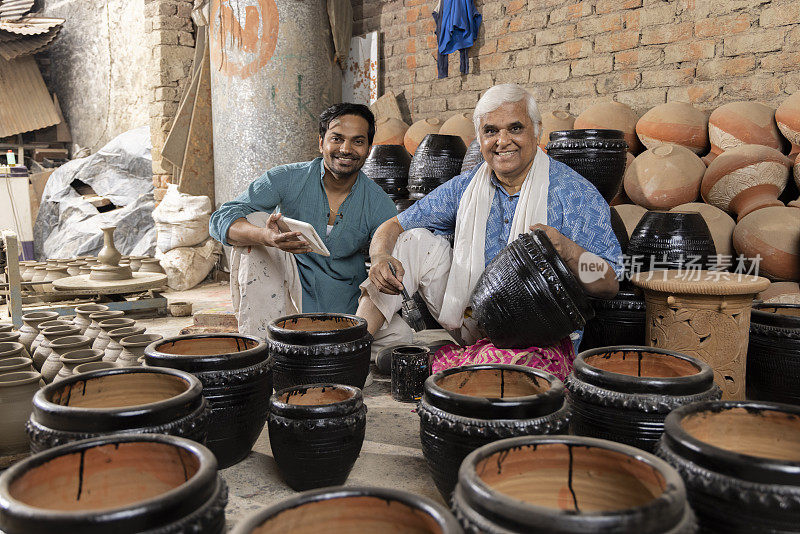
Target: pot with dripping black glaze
pixel 617 321
pixel 464 408
pixel 773 354
pixel 569 484
pixel 624 393
pixel 236 373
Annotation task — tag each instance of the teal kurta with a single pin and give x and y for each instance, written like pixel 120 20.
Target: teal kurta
pixel 330 284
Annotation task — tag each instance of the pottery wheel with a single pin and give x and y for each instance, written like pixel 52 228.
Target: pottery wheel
pixel 82 284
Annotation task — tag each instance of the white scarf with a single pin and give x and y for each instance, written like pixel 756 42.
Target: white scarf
pixel 470 237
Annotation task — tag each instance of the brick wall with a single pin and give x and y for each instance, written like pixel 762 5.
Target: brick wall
pixel 572 54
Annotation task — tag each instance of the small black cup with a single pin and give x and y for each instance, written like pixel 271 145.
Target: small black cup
pixel 411 366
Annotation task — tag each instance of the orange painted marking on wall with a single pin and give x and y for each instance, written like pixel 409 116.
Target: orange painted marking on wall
pixel 255 42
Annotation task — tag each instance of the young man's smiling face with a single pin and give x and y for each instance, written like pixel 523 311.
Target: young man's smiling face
pixel 508 141
pixel 345 146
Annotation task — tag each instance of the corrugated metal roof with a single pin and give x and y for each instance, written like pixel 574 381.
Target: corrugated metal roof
pixel 26 104
pixel 30 25
pixel 29 44
pixel 14 9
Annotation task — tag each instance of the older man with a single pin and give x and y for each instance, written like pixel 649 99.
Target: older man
pixel 517 188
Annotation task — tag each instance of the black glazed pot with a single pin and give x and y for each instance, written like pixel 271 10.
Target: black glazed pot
pixel 464 408
pixel 597 155
pixel 473 157
pixel 617 321
pixel 349 510
pixel 529 286
pixel 437 159
pixel 740 462
pixel 319 348
pixel 624 393
pixel 569 484
pixel 387 166
pixel 316 433
pixel 236 374
pixel 122 484
pixel 773 355
pixel 618 226
pixel 418 192
pixel 114 401
pixel 671 240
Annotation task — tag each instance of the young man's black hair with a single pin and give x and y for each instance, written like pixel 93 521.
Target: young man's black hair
pixel 346 108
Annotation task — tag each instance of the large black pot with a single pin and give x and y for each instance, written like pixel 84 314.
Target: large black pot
pixel 569 484
pixel 773 355
pixel 350 510
pixel 387 166
pixel 114 401
pixel 319 348
pixel 740 462
pixel 624 393
pixel 437 159
pixel 617 321
pixel 618 226
pixel 597 155
pixel 316 433
pixel 473 157
pixel 464 408
pixel 672 240
pixel 236 374
pixel 121 484
pixel 527 295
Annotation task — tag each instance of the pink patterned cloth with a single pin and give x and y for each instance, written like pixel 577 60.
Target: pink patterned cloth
pixel 555 359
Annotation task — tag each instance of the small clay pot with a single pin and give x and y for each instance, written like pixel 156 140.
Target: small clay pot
pixel 113 349
pixel 389 131
pixel 12 349
pixel 742 123
pixel 472 157
pixel 671 240
pixel 180 309
pixel 788 118
pixel 677 123
pixel 555 121
pixel 773 234
pixel 417 132
pixel 613 116
pixel 39 339
pixel 461 125
pixel 617 321
pixel 316 433
pixel 16 391
pixel 43 351
pixel 83 312
pixel 120 484
pixel 133 348
pixel 58 347
pixel 136 262
pixel 93 330
pixel 39 272
pixel 151 265
pixel 73 358
pixel 106 325
pixel 15 364
pixel 52 274
pixel 74 268
pixel 30 326
pixel 664 177
pixel 773 353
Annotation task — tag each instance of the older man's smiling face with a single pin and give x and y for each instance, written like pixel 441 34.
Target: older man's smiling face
pixel 508 141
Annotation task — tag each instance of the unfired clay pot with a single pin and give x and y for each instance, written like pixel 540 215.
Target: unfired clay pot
pixel 630 214
pixel 133 348
pixel 16 391
pixel 461 125
pixel 93 366
pixel 774 234
pixel 614 116
pixel 51 333
pixel 15 364
pixel 93 330
pixel 83 312
pixel 552 122
pixel 106 326
pixel 746 178
pixel 12 349
pixel 40 337
pixel 664 177
pixel 39 272
pixel 52 274
pixel 30 326
pixel 151 265
pixel 788 118
pixel 417 132
pixel 388 131
pixel 73 358
pixel 781 293
pixel 113 349
pixel 59 347
pixel 678 123
pixel 719 223
pixel 742 123
pixel 74 267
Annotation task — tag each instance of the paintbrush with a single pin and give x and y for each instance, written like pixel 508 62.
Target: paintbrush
pixel 409 310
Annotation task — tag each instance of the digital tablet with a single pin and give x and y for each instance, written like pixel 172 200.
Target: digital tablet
pixel 307 232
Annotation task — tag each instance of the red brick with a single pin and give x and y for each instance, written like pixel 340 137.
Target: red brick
pixel 572 49
pixel 411 46
pixel 555 35
pixel 619 81
pixel 754 42
pixel 431 42
pixel 595 25
pixel 782 15
pixel 637 58
pixel 607 6
pixel 613 42
pixel 780 62
pixel 689 51
pixel 712 27
pixel 668 33
pixel 724 68
pixel 515 6
pixel 411 62
pixel 516 41
pixel 667 77
pixel 412 15
pixel 592 66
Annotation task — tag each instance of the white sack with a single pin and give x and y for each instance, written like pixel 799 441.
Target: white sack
pixel 181 220
pixel 188 266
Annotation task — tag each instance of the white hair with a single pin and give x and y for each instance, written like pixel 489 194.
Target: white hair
pixel 506 93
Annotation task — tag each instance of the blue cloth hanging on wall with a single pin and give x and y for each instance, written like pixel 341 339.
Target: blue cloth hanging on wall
pixel 457 25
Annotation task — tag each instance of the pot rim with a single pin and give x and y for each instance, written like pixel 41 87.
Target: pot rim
pixel 17 361
pixel 213 362
pixel 83 311
pixel 105 314
pixel 440 514
pixel 188 496
pixel 501 505
pixel 19 378
pixel 15 346
pixel 133 330
pixel 610 134
pixel 51 330
pixel 297 337
pixel 73 341
pixel 105 323
pixel 744 466
pixel 72 356
pixel 767 318
pixel 314 411
pixel 39 317
pixel 141 340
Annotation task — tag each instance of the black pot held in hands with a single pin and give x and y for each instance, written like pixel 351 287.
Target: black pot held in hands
pixel 671 240
pixel 527 295
pixel 236 374
pixel 464 408
pixel 387 166
pixel 437 159
pixel 740 462
pixel 617 321
pixel 624 393
pixel 473 157
pixel 316 433
pixel 597 155
pixel 773 355
pixel 319 348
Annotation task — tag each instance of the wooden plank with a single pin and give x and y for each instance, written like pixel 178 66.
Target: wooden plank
pixel 197 170
pixel 14 279
pixel 175 145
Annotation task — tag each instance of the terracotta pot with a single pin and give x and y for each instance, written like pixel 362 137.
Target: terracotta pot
pixel 781 293
pixel 774 234
pixel 746 178
pixel 58 347
pixel 664 177
pixel 671 240
pixel 461 125
pixel 30 326
pixel 630 214
pixel 113 349
pixel 345 510
pixel 464 408
pixel 133 348
pixel 571 484
pixel 739 463
pixel 417 132
pixel 437 159
pixel 743 123
pixel 236 373
pixel 624 393
pixel 390 131
pixel 16 391
pixel 73 358
pixel 43 351
pixel 555 121
pixel 773 355
pixel 788 118
pixel 472 157
pixel 613 116
pixel 677 123
pixel 83 312
pixel 120 484
pixel 617 321
pixel 15 364
pixel 151 265
pixel 387 166
pixel 704 314
pixel 93 330
pixel 106 325
pixel 39 339
pixel 721 226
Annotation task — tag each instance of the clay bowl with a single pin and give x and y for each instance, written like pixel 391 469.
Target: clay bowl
pixel 597 155
pixel 572 484
pixel 437 159
pixel 671 240
pixel 529 286
pixel 472 157
pixel 119 484
pixel 664 177
pixel 346 510
pixel 678 123
pixel 387 166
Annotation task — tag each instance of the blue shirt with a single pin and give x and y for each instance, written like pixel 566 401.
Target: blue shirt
pixel 574 207
pixel 330 284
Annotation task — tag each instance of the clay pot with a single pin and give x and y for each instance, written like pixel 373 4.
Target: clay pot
pixel 417 132
pixel 73 358
pixel 109 254
pixel 119 484
pixel 472 157
pixel 387 166
pixel 773 354
pixel 671 240
pixel 136 262
pixel 316 433
pixel 16 391
pixel 85 269
pixel 151 265
pixel 74 268
pixel 617 321
pixel 774 234
pixel 93 366
pixel 106 325
pixel 133 348
pixel 12 349
pixel 677 123
pixel 113 349
pixel 613 116
pixel 664 177
pixel 39 339
pixel 720 224
pixel 93 330
pixel 6 327
pixel 624 393
pixel 346 510
pixel 43 351
pixel 555 121
pixel 389 131
pixel 570 484
pixel 630 214
pixel 739 463
pixel 436 161
pixel 51 275
pixel 39 272
pixel 464 408
pixel 15 364
pixel 529 285
pixel 705 314
pixel 597 155
pixel 26 270
pixel 59 347
pixel 743 123
pixel 781 293
pixel 83 312
pixel 461 125
pixel 319 348
pixel 236 373
pixel 30 326
pixel 787 117
pixel 746 178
